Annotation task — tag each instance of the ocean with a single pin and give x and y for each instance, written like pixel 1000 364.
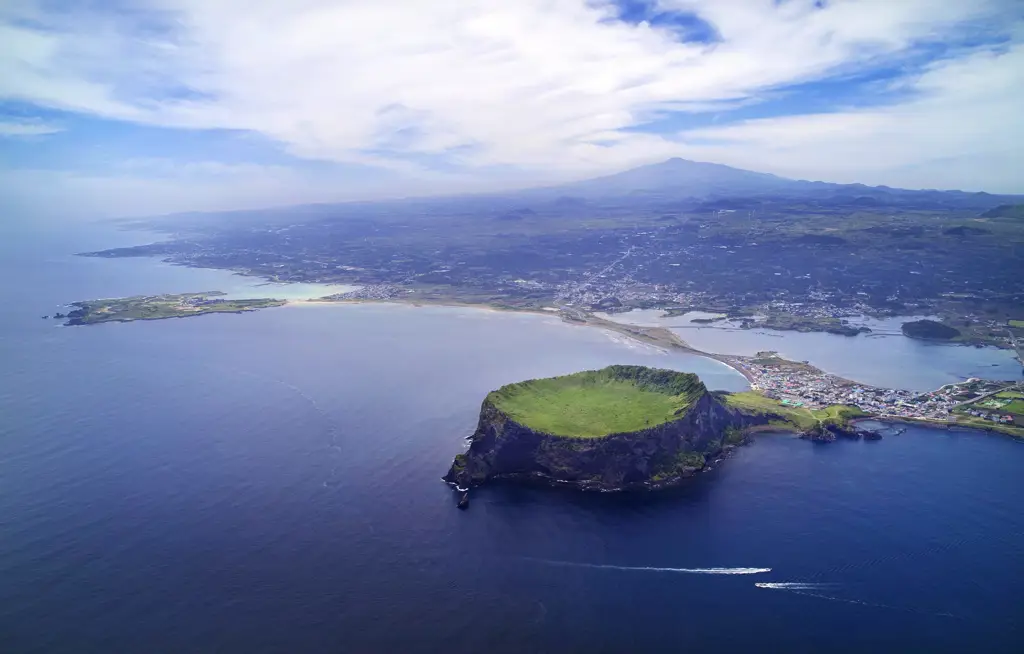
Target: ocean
pixel 270 482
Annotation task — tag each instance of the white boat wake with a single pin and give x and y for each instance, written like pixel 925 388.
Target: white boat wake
pixel 808 589
pixel 803 588
pixel 691 571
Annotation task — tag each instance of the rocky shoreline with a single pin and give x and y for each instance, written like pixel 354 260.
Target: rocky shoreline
pixel 658 457
pixel 831 433
pixel 547 481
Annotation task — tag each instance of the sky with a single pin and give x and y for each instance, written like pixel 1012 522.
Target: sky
pixel 141 107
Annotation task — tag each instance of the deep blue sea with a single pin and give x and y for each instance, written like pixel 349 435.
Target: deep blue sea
pixel 271 483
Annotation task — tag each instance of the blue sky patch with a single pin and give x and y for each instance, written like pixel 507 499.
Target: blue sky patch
pixel 687 26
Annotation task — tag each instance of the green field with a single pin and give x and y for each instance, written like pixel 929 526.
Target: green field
pixel 597 403
pixel 1016 323
pixel 792 417
pixel 1014 402
pixel 1016 407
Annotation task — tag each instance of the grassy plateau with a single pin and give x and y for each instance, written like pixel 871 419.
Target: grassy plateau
pixel 598 403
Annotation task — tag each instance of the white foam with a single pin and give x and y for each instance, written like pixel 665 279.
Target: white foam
pixel 800 588
pixel 692 571
pixel 807 590
pixel 722 571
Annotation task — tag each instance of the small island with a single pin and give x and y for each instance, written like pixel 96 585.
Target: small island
pixel 158 307
pixel 929 330
pixel 622 428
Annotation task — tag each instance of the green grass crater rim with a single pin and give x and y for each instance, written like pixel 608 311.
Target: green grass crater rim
pixel 597 403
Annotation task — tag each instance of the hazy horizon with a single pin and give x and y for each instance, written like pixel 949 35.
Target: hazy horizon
pixel 384 197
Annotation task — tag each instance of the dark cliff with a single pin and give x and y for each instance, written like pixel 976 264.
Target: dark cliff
pixel 828 433
pixel 657 457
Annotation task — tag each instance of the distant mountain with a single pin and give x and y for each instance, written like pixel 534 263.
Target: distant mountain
pixel 1005 211
pixel 724 187
pixel 680 177
pixel 670 186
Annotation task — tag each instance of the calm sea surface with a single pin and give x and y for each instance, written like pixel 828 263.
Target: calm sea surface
pixel 270 483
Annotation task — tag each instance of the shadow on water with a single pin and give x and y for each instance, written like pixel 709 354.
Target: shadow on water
pixel 694 491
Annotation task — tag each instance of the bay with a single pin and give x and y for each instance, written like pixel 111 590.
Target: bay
pixel 885 358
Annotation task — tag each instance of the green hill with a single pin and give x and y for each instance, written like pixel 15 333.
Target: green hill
pixel 1005 211
pixel 597 403
pixel 929 330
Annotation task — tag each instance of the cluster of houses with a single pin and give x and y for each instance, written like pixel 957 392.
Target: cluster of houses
pixel 797 386
pixel 1005 419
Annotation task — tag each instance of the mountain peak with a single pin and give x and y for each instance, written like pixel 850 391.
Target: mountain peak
pixel 682 178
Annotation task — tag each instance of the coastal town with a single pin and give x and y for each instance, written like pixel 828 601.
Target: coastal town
pixel 802 385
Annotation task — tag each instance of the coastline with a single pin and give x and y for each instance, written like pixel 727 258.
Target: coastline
pixel 660 337
pixel 420 302
pixel 657 336
pixel 939 424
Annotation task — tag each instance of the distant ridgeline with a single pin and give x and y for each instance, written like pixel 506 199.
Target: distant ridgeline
pixel 708 236
pixel 622 427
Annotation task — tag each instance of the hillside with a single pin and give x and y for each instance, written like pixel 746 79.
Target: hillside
pixel 929 330
pixel 1013 211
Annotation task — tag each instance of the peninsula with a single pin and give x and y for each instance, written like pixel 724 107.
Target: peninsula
pixel 623 427
pixel 158 307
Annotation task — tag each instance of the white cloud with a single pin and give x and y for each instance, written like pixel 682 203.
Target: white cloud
pixel 961 128
pixel 26 128
pixel 549 86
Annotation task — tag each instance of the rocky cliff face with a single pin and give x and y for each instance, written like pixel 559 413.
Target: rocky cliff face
pixel 829 433
pixel 651 458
